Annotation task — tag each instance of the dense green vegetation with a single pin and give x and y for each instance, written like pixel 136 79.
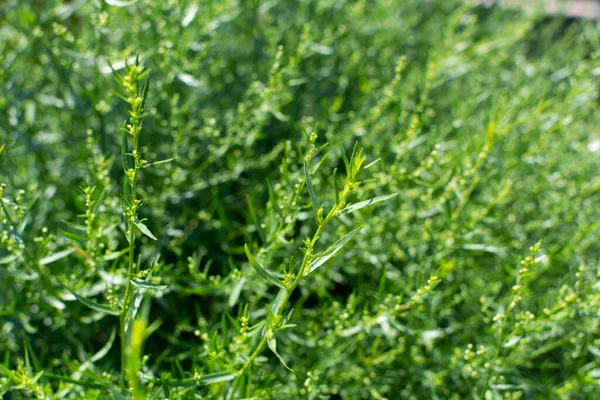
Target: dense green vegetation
pixel 297 199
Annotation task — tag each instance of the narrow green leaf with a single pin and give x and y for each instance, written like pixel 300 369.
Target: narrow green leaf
pixel 273 198
pixel 115 393
pixel 124 147
pixel 272 343
pixel 72 236
pixel 114 70
pixel 285 173
pixel 120 3
pixel 8 259
pixel 224 330
pixel 278 300
pixel 261 271
pixel 189 14
pixel 369 165
pixel 2 149
pixel 18 274
pixel 289 315
pixel 31 207
pixel 236 291
pixel 335 187
pixel 382 279
pixel 499 251
pixel 93 305
pixel 270 315
pixel 254 217
pixel 145 90
pixel 311 190
pixel 36 377
pixel 77 227
pixel 320 163
pixel 147 285
pixel 115 254
pixel 345 158
pixel 9 373
pixel 56 256
pixel 322 258
pixel 31 357
pixel 279 115
pixel 142 227
pixel 366 203
pixel 216 377
pixel 54 302
pixel 168 160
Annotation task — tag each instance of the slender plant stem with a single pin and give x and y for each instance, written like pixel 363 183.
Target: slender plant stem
pixel 130 267
pixel 308 255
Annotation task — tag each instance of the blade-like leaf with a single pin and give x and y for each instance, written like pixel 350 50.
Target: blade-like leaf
pixel 56 256
pixel 366 203
pixel 311 190
pixel 2 149
pixel 273 198
pixel 216 377
pixel 124 147
pixel 345 158
pixel 93 305
pixel 145 90
pixel 9 373
pixel 168 160
pixel 120 3
pixel 31 207
pixel 261 271
pixel 9 259
pixel 335 187
pixel 142 227
pixel 147 285
pixel 272 343
pixel 322 258
pixel 369 165
pixel 235 291
pixel 189 14
pixel 36 377
pixel 270 315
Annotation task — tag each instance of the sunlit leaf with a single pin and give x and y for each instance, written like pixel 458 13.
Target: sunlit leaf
pixel 261 271
pixel 311 191
pixel 120 3
pixel 322 258
pixel 93 305
pixel 144 229
pixel 147 285
pixel 272 343
pixel 366 203
pixel 56 256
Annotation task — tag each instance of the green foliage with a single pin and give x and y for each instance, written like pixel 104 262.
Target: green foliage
pixel 434 236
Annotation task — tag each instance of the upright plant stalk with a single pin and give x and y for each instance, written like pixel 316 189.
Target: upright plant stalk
pixel 135 96
pixel 353 168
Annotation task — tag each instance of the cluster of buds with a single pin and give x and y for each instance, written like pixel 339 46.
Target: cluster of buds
pixel 524 273
pixel 428 288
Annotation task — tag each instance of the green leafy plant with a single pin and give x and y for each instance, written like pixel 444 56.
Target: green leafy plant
pixel 210 249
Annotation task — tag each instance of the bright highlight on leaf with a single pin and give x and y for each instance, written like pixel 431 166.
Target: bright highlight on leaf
pixel 144 229
pixel 331 251
pixel 261 271
pixel 120 3
pixel 56 256
pixel 311 190
pixel 272 343
pixel 93 305
pixel 147 285
pixel 366 203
